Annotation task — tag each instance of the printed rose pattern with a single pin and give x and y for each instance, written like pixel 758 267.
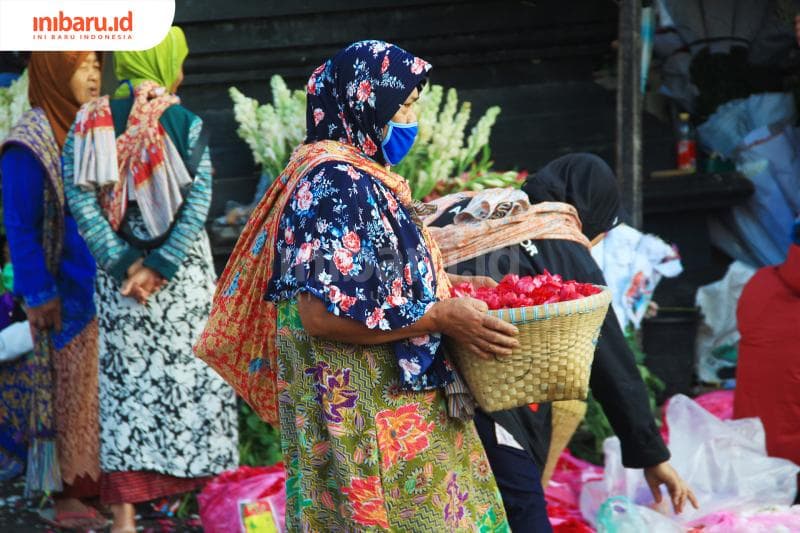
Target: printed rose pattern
pixel 402 434
pixel 362 453
pixel 366 497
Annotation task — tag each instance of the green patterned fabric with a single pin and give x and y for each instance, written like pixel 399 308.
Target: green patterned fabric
pixel 364 455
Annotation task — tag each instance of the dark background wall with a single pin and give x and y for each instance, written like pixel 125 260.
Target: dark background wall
pixel 535 59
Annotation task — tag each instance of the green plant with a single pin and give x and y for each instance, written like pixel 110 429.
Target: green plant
pixel 259 443
pixel 587 443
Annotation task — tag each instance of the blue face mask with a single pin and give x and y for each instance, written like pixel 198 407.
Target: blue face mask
pixel 398 141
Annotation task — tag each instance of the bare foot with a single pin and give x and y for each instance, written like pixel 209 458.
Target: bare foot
pixel 124 518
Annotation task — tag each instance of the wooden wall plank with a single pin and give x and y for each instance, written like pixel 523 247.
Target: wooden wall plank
pixel 534 59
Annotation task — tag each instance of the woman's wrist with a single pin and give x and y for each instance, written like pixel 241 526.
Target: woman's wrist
pixel 431 321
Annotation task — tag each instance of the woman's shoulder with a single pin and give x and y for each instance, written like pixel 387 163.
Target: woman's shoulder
pixel 340 174
pixel 180 114
pixel 176 115
pixel 16 153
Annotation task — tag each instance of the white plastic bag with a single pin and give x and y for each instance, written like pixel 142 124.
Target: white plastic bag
pixel 718 333
pixel 15 341
pixel 633 264
pixel 724 462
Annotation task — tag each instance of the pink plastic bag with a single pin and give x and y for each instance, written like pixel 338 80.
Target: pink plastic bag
pixel 563 493
pixel 249 499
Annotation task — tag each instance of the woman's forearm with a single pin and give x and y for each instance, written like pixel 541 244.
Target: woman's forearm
pixel 319 322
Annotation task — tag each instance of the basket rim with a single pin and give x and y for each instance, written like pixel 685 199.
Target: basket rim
pixel 535 313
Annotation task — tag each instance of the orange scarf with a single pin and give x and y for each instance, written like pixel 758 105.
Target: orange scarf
pixel 49 74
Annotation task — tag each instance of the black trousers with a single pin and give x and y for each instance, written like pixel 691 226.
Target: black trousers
pixel 519 480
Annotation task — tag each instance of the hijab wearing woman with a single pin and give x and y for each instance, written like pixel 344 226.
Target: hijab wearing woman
pixel 137 176
pixel 346 353
pixel 517 440
pixel 54 274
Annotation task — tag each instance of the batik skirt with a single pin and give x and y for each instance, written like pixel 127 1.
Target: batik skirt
pixel 362 454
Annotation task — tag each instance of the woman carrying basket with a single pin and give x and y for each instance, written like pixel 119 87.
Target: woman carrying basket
pixel 365 396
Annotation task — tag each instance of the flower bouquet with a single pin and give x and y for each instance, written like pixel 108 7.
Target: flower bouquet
pixel 559 323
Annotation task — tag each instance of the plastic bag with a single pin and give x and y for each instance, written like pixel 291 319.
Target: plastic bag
pixel 15 341
pixel 717 337
pixel 619 515
pixel 724 462
pixel 780 519
pixel 249 499
pixel 633 264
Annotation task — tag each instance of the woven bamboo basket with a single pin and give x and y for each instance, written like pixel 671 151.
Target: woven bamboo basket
pixel 553 362
pixel 567 416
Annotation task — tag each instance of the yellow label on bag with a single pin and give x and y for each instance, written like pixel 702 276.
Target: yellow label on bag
pixel 257 517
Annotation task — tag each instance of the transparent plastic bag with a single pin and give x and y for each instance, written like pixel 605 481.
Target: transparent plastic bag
pixel 620 515
pixel 724 462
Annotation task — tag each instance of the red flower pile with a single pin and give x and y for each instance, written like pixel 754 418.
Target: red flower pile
pixel 514 291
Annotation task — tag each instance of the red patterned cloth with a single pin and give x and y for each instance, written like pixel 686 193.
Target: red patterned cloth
pixel 143 157
pixel 136 487
pixel 82 488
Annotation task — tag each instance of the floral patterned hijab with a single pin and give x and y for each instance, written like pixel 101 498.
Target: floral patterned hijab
pixel 353 95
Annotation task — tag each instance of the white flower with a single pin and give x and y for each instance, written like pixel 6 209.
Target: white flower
pixel 13 103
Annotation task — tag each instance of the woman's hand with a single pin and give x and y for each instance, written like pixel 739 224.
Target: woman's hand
pixel 46 316
pixel 477 281
pixel 483 335
pixel 679 491
pixel 142 284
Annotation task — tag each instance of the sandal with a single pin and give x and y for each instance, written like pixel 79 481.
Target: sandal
pixel 91 519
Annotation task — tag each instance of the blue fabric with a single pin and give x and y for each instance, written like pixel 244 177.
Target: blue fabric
pixel 344 236
pixel 7 78
pixel 398 142
pixel 23 206
pixel 518 478
pixel 353 95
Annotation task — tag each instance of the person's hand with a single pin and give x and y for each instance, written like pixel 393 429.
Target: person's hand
pixel 142 284
pixel 465 319
pixel 135 267
pixel 481 281
pixel 476 281
pixel 679 491
pixel 46 316
pixel 652 310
